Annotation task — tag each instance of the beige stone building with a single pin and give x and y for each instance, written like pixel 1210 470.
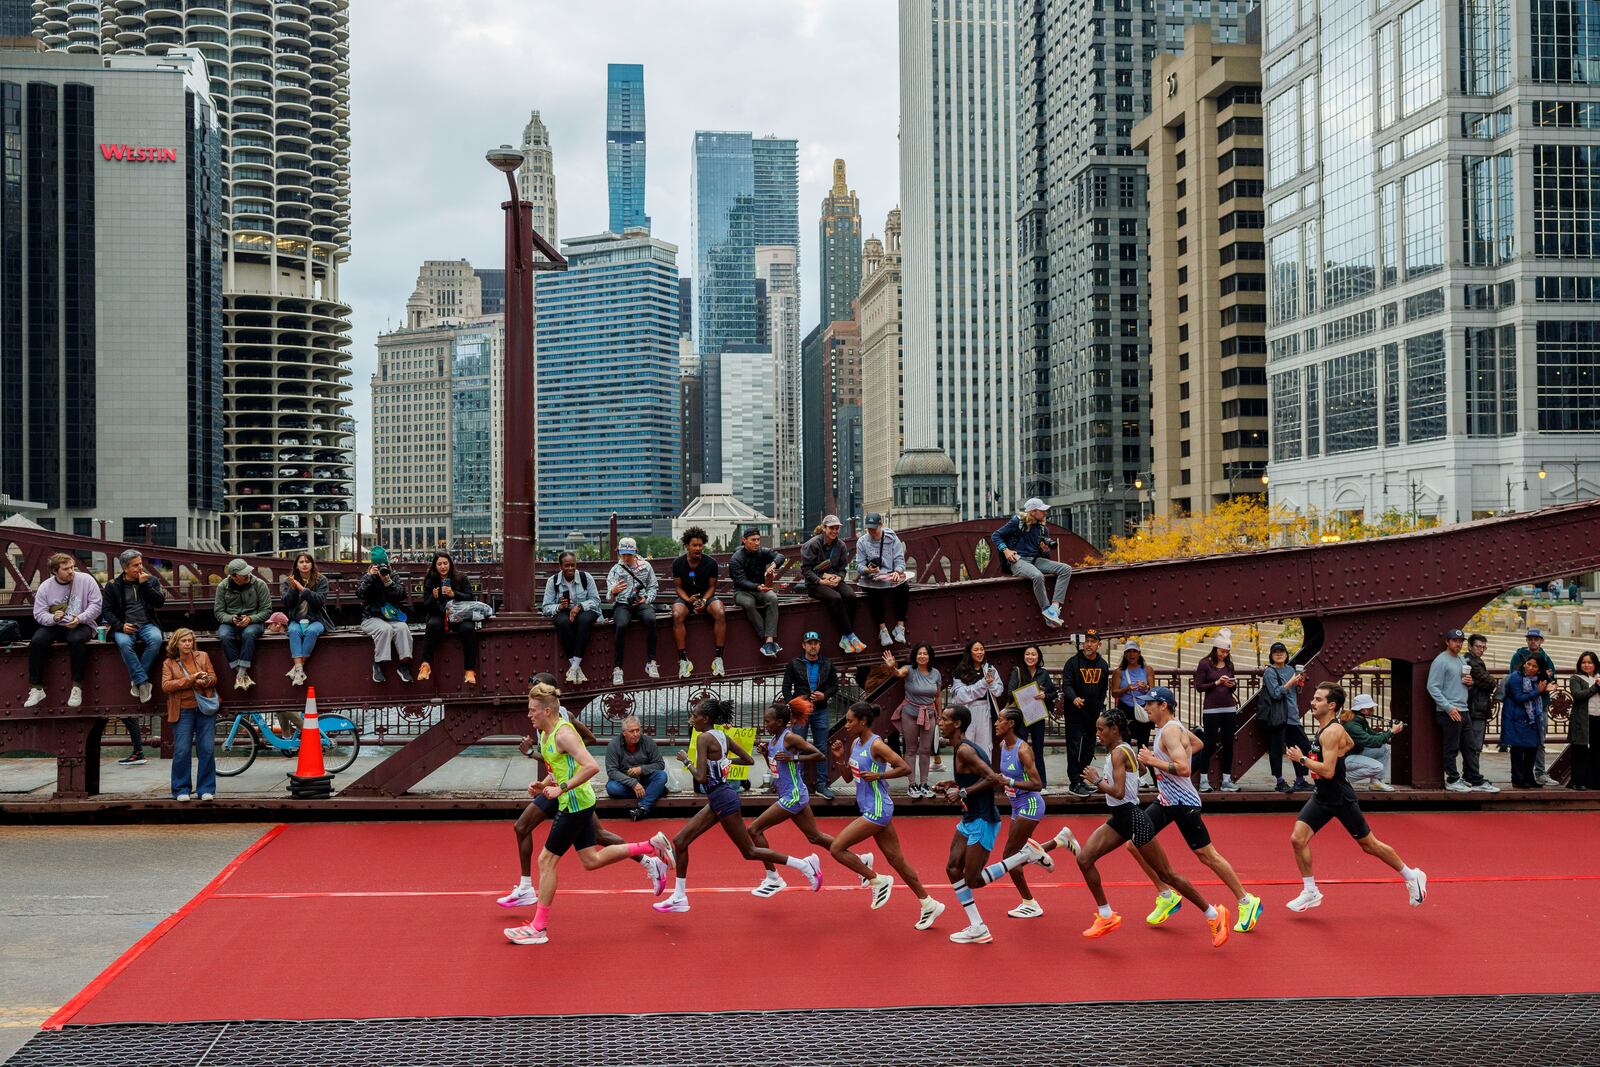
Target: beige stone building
pixel 1208 389
pixel 447 291
pixel 882 378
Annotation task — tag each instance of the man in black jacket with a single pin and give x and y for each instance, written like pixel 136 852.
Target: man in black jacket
pixel 753 570
pixel 1084 682
pixel 813 677
pixel 129 615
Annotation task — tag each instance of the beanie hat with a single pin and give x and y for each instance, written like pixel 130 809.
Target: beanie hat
pixel 380 555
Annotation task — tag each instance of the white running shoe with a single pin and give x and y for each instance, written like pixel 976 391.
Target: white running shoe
pixel 208 796
pixel 520 897
pixel 976 934
pixel 770 886
pixel 671 904
pixel 813 871
pixel 526 935
pixel 572 671
pixel 1418 889
pixel 656 871
pixel 1486 786
pixel 663 846
pixel 900 633
pixel 651 670
pixel 36 696
pixel 1028 909
pixel 75 698
pixel 931 910
pixel 685 669
pixel 716 667
pixel 883 637
pixel 1458 786
pixel 1378 785
pixel 578 670
pixel 867 858
pixel 1309 898
pixel 1066 839
pixel 616 675
pixel 181 797
pixel 1037 854
pixel 881 887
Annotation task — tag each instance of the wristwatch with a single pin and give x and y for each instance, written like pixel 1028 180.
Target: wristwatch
pixel 962 793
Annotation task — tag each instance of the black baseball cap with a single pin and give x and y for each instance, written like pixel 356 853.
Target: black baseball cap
pixel 1454 635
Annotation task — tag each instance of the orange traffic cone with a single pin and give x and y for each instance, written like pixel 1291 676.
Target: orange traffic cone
pixel 310 778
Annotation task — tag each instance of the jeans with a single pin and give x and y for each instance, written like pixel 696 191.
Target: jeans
pixel 303 637
pixel 762 611
pixel 1080 740
pixel 1279 737
pixel 139 666
pixel 1218 728
pixel 840 603
pixel 1370 764
pixel 816 731
pixel 194 734
pixel 467 632
pixel 626 613
pixel 77 641
pixel 654 786
pixel 1035 571
pixel 573 634
pixel 239 645
pixel 887 602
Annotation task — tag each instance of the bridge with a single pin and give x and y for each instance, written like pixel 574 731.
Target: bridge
pixel 1388 599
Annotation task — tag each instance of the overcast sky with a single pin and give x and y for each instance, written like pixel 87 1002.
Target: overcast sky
pixel 434 83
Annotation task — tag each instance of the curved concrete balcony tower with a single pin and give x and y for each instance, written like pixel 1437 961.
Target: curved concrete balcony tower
pixel 280 78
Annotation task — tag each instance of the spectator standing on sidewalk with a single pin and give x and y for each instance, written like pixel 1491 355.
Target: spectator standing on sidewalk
pixel 1369 753
pixel 881 573
pixel 974 686
pixel 1085 679
pixel 1522 720
pixel 918 718
pixel 1024 544
pixel 242 605
pixel 823 563
pixel 1448 679
pixel 634 768
pixel 1219 710
pixel 754 571
pixel 1583 721
pixel 1279 709
pixel 1547 673
pixel 1032 671
pixel 1480 706
pixel 65 606
pixel 812 676
pixel 632 587
pixel 572 602
pixel 1131 684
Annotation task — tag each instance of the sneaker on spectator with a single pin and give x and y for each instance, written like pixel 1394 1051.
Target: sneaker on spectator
pixel 1543 779
pixel 134 760
pixel 884 638
pixel 1205 785
pixel 616 675
pixel 1485 786
pixel 1456 785
pixel 716 667
pixel 900 633
pixel 35 696
pixel 1378 785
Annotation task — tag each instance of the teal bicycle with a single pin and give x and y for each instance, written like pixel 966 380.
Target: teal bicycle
pixel 249 735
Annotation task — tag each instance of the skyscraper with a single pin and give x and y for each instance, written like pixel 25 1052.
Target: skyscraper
pixel 607 378
pixel 1433 331
pixel 775 177
pixel 777 267
pixel 748 457
pixel 839 248
pixel 536 178
pixel 1083 81
pixel 813 408
pixel 882 401
pixel 958 163
pixel 625 146
pixel 280 78
pixel 841 417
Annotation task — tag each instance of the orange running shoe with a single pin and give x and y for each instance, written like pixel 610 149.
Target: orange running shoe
pixel 1103 925
pixel 1219 927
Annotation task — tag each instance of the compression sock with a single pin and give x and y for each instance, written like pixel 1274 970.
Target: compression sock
pixel 640 848
pixel 964 898
pixel 1309 882
pixel 1005 866
pixel 1105 911
pixel 541 917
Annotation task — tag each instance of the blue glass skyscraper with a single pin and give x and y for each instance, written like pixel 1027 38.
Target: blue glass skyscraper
pixel 776 165
pixel 607 380
pixel 625 145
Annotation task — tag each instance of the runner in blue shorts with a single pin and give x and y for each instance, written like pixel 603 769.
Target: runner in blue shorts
pixel 1022 787
pixel 974 788
pixel 785 750
pixel 714 753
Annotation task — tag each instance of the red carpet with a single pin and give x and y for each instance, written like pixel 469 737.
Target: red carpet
pixel 399 920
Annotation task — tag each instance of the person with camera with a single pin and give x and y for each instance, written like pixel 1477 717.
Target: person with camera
pixel 1369 758
pixel 632 586
pixel 881 573
pixel 1024 543
pixel 242 605
pixel 572 602
pixel 694 579
pixel 444 586
pixel 382 593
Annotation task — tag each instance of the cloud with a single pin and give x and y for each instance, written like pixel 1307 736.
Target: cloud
pixel 433 85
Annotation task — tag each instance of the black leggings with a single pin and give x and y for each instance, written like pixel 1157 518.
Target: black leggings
pixel 1035 736
pixel 840 602
pixel 1280 736
pixel 1218 730
pixel 1522 766
pixel 888 602
pixel 77 641
pixel 574 633
pixel 466 631
pixel 623 614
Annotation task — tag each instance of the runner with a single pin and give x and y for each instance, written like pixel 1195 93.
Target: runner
pixel 567 783
pixel 525 893
pixel 714 753
pixel 786 748
pixel 973 788
pixel 1177 801
pixel 1129 822
pixel 1333 797
pixel 1027 807
pixel 871 763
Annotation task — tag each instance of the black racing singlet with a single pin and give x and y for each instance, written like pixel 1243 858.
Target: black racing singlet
pixel 977 805
pixel 1336 789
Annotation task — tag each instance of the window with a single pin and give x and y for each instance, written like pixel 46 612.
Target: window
pixel 1489 212
pixel 1250 187
pixel 1566 41
pixel 1283 266
pixel 1313 414
pixel 1420 68
pixel 1425 387
pixel 1245 124
pixel 1486 126
pixel 1566 201
pixel 1251 220
pixel 1391 394
pixel 1485 46
pixel 1424 304
pixel 1567 358
pixel 1564 113
pixel 1239 94
pixel 1245 408
pixel 1423 202
pixel 1491 369
pixel 1237 376
pixel 1183 449
pixel 1552 289
pixel 1244 157
pixel 1351 408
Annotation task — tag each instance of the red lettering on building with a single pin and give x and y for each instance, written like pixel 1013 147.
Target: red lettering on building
pixel 128 153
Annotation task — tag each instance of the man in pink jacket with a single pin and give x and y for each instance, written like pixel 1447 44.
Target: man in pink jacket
pixel 66 607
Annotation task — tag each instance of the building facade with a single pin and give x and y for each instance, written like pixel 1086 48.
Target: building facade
pixel 536 178
pixel 841 417
pixel 607 374
pixel 111 295
pixel 958 196
pixel 1084 71
pixel 839 248
pixel 882 390
pixel 748 457
pixel 778 269
pixel 813 406
pixel 1433 340
pixel 279 72
pixel 1208 348
pixel 625 147
pixel 447 291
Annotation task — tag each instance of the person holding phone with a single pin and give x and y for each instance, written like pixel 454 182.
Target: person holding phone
pixel 823 561
pixel 881 573
pixel 754 572
pixel 632 588
pixel 1216 680
pixel 572 602
pixel 382 593
pixel 1279 711
pixel 975 685
pixel 190 682
pixel 305 598
pixel 444 586
pixel 694 580
pixel 1024 544
pixel 1449 677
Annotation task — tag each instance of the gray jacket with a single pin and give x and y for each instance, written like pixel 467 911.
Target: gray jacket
pixel 1444 682
pixel 1278 702
pixel 581 591
pixel 646 757
pixel 889 554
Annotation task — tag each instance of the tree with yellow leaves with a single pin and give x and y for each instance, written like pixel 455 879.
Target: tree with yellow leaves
pixel 1248 524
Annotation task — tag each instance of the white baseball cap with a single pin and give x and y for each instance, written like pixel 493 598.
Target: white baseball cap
pixel 1363 702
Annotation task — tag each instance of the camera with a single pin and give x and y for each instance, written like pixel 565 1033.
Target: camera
pixel 384 571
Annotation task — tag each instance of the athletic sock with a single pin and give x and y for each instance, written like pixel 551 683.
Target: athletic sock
pixel 680 889
pixel 719 651
pixel 964 898
pixel 640 848
pixel 797 863
pixel 1310 883
pixel 1408 873
pixel 541 916
pixel 526 883
pixel 773 876
pixel 1211 913
pixel 1244 901
pixel 683 654
pixel 972 914
pixel 1105 911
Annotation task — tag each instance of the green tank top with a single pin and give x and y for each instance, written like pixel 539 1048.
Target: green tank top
pixel 563 767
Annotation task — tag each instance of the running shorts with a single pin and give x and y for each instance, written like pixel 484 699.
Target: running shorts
pixel 1187 818
pixel 546 805
pixel 1132 824
pixel 571 829
pixel 1318 813
pixel 979 832
pixel 724 800
pixel 1027 806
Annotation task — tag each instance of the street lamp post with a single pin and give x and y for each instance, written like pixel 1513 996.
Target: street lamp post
pixel 518 556
pixel 1238 472
pixel 1543 474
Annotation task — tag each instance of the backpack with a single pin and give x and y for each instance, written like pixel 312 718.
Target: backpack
pixel 10 632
